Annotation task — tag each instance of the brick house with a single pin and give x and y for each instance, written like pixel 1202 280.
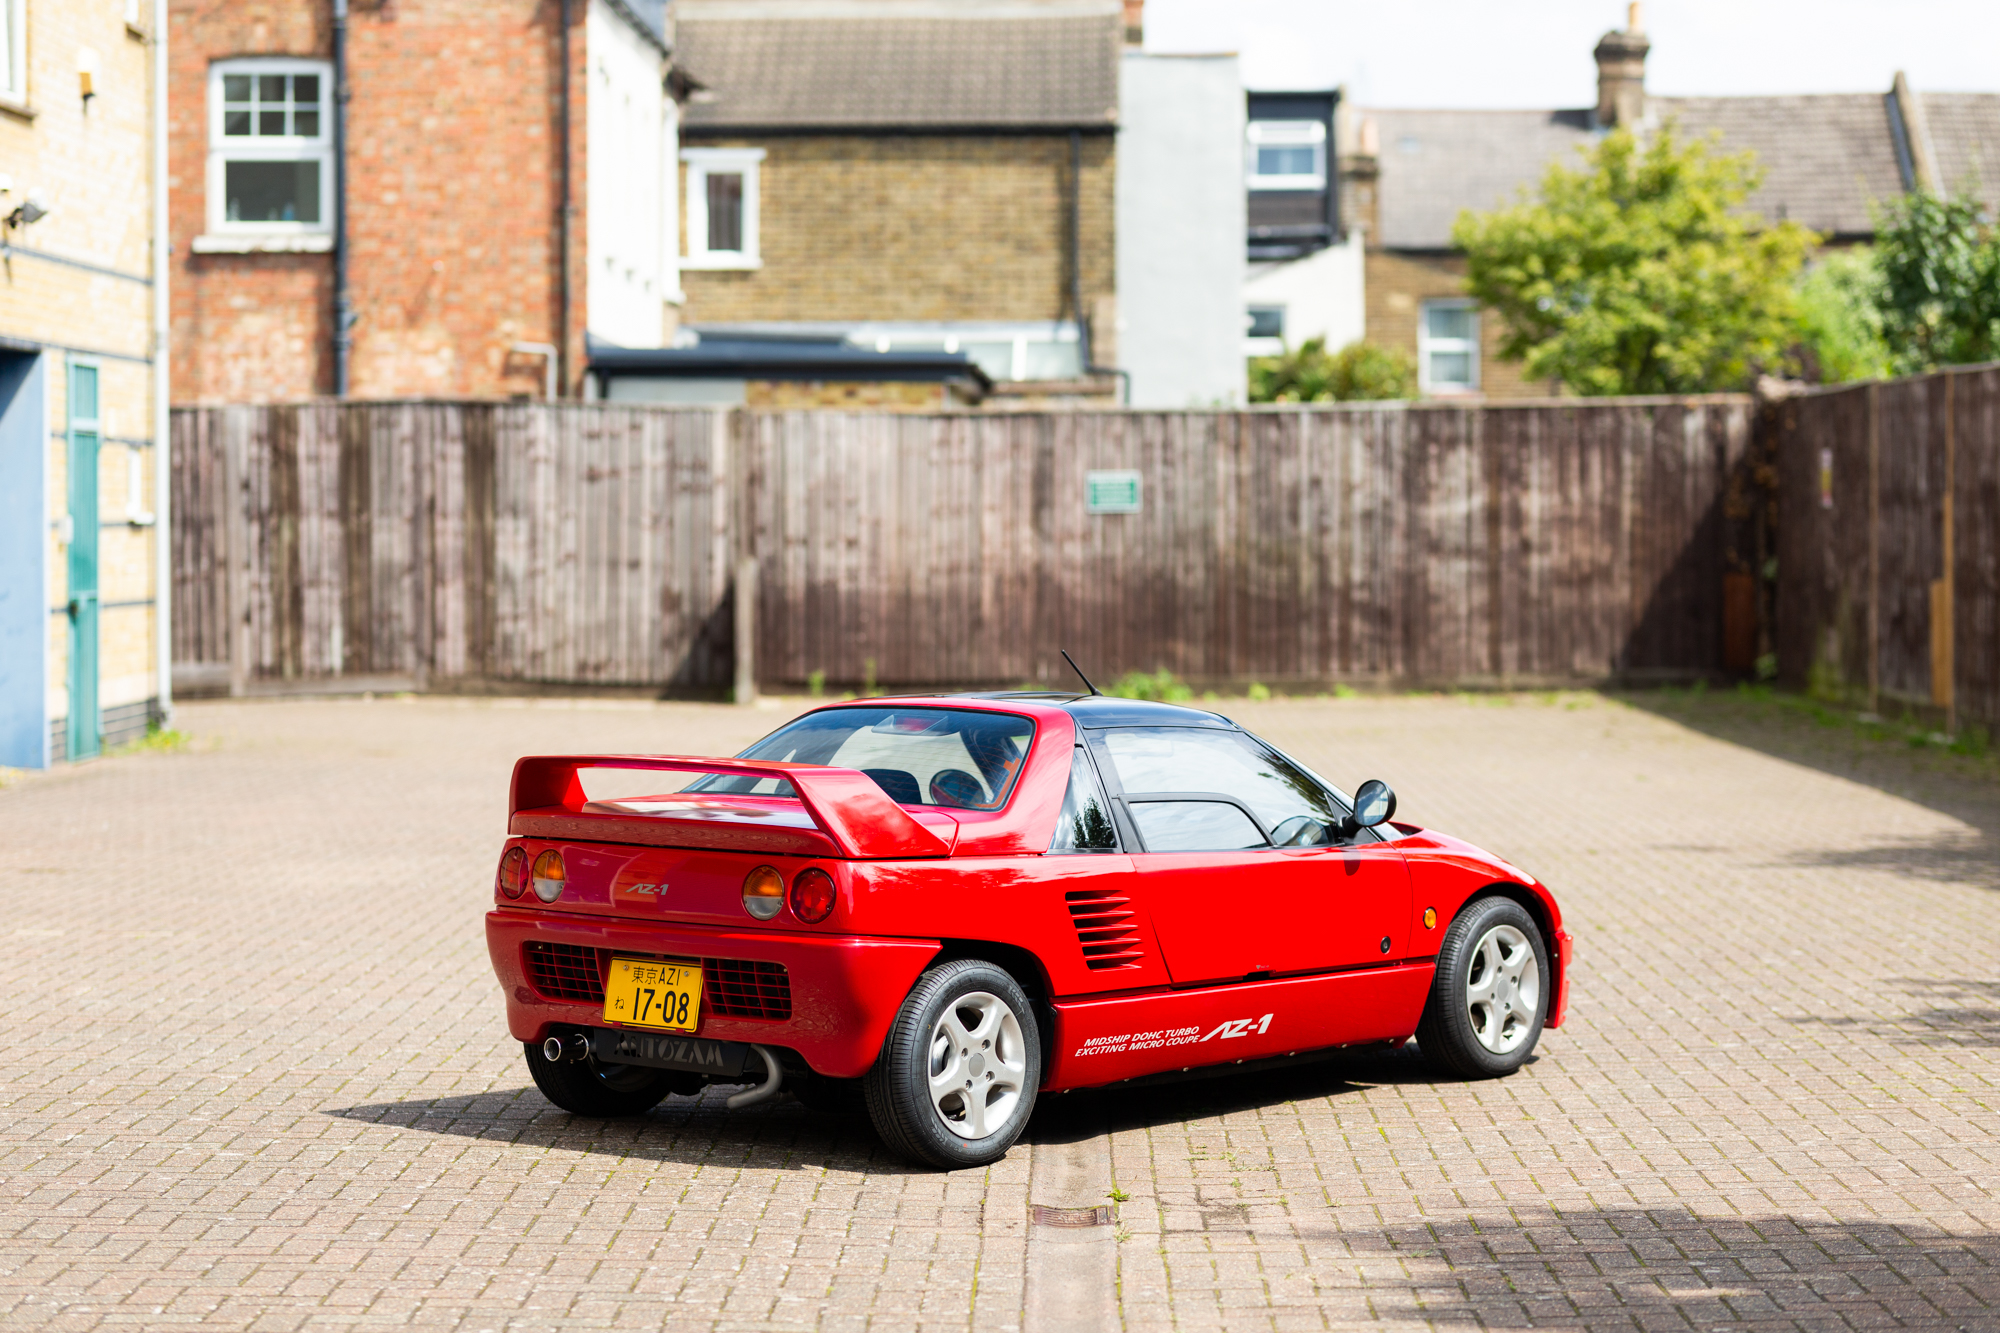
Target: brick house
pixel 83 550
pixel 1405 175
pixel 918 181
pixel 501 187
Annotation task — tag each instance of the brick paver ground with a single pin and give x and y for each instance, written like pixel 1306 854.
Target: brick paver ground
pixel 256 1074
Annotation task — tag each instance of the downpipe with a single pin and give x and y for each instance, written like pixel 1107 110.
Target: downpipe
pixel 765 1090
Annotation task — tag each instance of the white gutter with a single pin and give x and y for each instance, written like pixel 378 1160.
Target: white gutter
pixel 163 449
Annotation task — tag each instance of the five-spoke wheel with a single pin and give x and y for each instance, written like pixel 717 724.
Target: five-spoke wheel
pixel 1486 1004
pixel 956 1080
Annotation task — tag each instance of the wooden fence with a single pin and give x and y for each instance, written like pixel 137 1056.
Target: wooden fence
pixel 481 545
pixel 1889 542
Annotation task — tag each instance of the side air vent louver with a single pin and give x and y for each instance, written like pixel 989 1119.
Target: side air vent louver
pixel 1106 927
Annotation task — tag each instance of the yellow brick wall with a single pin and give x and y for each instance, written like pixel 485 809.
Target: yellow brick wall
pixel 914 227
pixel 1397 285
pixel 91 159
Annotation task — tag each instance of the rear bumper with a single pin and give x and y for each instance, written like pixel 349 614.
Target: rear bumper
pixel 1559 1009
pixel 845 988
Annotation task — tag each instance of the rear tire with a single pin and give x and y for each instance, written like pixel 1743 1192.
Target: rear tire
pixel 1490 994
pixel 604 1092
pixel 956 1080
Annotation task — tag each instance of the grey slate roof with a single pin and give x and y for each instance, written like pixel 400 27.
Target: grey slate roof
pixel 1965 135
pixel 1826 158
pixel 930 72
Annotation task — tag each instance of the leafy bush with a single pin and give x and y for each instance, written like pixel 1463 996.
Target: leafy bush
pixel 1161 687
pixel 1940 274
pixel 1840 320
pixel 1358 372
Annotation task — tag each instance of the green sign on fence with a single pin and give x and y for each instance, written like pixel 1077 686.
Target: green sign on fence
pixel 1111 492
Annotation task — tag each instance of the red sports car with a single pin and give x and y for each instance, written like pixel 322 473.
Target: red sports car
pixel 942 907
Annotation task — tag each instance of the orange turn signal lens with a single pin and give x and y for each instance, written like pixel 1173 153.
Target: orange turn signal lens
pixel 512 880
pixel 1430 918
pixel 763 893
pixel 549 875
pixel 813 895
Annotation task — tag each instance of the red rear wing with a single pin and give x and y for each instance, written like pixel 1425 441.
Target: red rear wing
pixel 857 817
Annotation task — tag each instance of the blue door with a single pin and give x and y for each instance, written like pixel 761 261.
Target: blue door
pixel 84 732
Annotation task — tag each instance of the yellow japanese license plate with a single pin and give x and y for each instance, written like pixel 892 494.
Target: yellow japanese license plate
pixel 649 993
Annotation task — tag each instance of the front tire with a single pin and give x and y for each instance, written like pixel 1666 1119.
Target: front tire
pixel 1490 994
pixel 956 1080
pixel 601 1091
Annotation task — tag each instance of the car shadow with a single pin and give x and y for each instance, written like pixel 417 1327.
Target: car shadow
pixel 1827 739
pixel 702 1130
pixel 693 1131
pixel 1071 1116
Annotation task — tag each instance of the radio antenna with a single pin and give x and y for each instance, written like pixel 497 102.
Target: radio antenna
pixel 1079 672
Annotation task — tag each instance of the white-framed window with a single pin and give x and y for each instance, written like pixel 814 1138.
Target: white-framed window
pixel 1448 347
pixel 722 207
pixel 14 51
pixel 1287 155
pixel 270 148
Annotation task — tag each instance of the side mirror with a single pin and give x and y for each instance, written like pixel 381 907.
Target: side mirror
pixel 1374 803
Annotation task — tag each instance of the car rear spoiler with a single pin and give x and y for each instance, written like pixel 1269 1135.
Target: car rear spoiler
pixel 857 817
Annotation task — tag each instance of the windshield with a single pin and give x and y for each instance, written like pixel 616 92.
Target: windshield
pixel 919 756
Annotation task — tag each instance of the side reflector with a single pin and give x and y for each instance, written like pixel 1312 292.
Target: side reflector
pixel 549 875
pixel 512 881
pixel 1430 918
pixel 813 895
pixel 763 893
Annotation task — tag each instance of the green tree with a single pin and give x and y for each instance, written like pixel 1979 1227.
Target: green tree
pixel 1311 374
pixel 1940 269
pixel 1840 336
pixel 1638 273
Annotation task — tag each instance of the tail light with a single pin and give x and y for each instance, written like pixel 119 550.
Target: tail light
pixel 512 880
pixel 813 895
pixel 549 875
pixel 763 893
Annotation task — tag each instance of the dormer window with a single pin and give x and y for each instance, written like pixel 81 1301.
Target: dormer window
pixel 1287 155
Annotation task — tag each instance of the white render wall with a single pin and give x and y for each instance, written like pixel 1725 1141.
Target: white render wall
pixel 632 234
pixel 1322 294
pixel 1181 227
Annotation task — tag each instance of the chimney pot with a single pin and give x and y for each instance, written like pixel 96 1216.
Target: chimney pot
pixel 1621 75
pixel 1135 22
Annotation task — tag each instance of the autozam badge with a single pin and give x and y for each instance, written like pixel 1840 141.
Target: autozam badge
pixel 648 890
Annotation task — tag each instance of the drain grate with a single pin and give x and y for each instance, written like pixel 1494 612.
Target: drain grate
pixel 1043 1216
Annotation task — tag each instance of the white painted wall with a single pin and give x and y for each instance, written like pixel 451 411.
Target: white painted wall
pixel 632 241
pixel 1181 229
pixel 1322 295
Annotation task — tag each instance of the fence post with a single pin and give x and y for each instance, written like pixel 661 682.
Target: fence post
pixel 746 630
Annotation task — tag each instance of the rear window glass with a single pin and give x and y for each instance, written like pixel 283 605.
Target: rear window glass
pixel 919 756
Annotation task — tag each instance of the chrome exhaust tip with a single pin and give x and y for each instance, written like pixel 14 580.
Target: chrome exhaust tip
pixel 552 1050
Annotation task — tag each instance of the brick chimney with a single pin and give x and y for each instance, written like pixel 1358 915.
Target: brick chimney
pixel 1621 73
pixel 1135 22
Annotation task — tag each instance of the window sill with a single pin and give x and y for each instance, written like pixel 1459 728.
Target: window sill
pixel 15 107
pixel 713 262
pixel 248 245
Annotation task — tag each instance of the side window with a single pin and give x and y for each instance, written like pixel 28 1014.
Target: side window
pixel 1155 763
pixel 1085 824
pixel 1195 826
